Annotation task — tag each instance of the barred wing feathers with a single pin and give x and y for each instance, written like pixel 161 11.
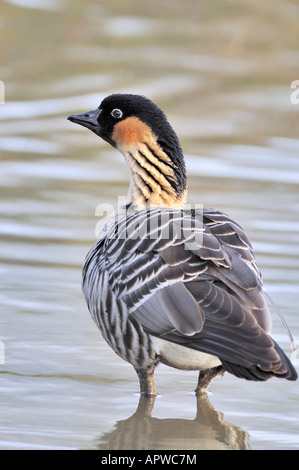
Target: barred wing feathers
pixel 189 278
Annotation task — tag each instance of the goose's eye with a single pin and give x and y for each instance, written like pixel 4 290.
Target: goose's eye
pixel 116 113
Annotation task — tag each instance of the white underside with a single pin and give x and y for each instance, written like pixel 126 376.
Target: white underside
pixel 180 357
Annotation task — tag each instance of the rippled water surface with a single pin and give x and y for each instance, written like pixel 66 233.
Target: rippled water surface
pixel 222 72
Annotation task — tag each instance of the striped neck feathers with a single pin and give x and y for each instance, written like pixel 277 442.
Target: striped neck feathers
pixel 158 173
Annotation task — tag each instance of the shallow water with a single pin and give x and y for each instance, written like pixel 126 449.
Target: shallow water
pixel 228 96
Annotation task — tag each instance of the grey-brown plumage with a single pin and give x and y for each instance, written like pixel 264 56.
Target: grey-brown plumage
pixel 171 285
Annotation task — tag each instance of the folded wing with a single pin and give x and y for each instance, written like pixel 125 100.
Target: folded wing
pixel 192 279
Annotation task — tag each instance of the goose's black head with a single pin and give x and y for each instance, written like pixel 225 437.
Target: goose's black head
pixel 131 123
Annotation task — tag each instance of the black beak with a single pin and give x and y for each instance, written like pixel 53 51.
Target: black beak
pixel 89 119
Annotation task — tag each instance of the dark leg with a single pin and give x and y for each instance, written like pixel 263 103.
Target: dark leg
pixel 206 377
pixel 147 383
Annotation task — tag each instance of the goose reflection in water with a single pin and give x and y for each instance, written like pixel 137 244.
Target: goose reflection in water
pixel 207 431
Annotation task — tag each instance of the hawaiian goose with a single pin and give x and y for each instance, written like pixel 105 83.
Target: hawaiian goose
pixel 166 284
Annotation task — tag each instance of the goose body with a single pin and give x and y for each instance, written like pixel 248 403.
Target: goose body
pixel 168 284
